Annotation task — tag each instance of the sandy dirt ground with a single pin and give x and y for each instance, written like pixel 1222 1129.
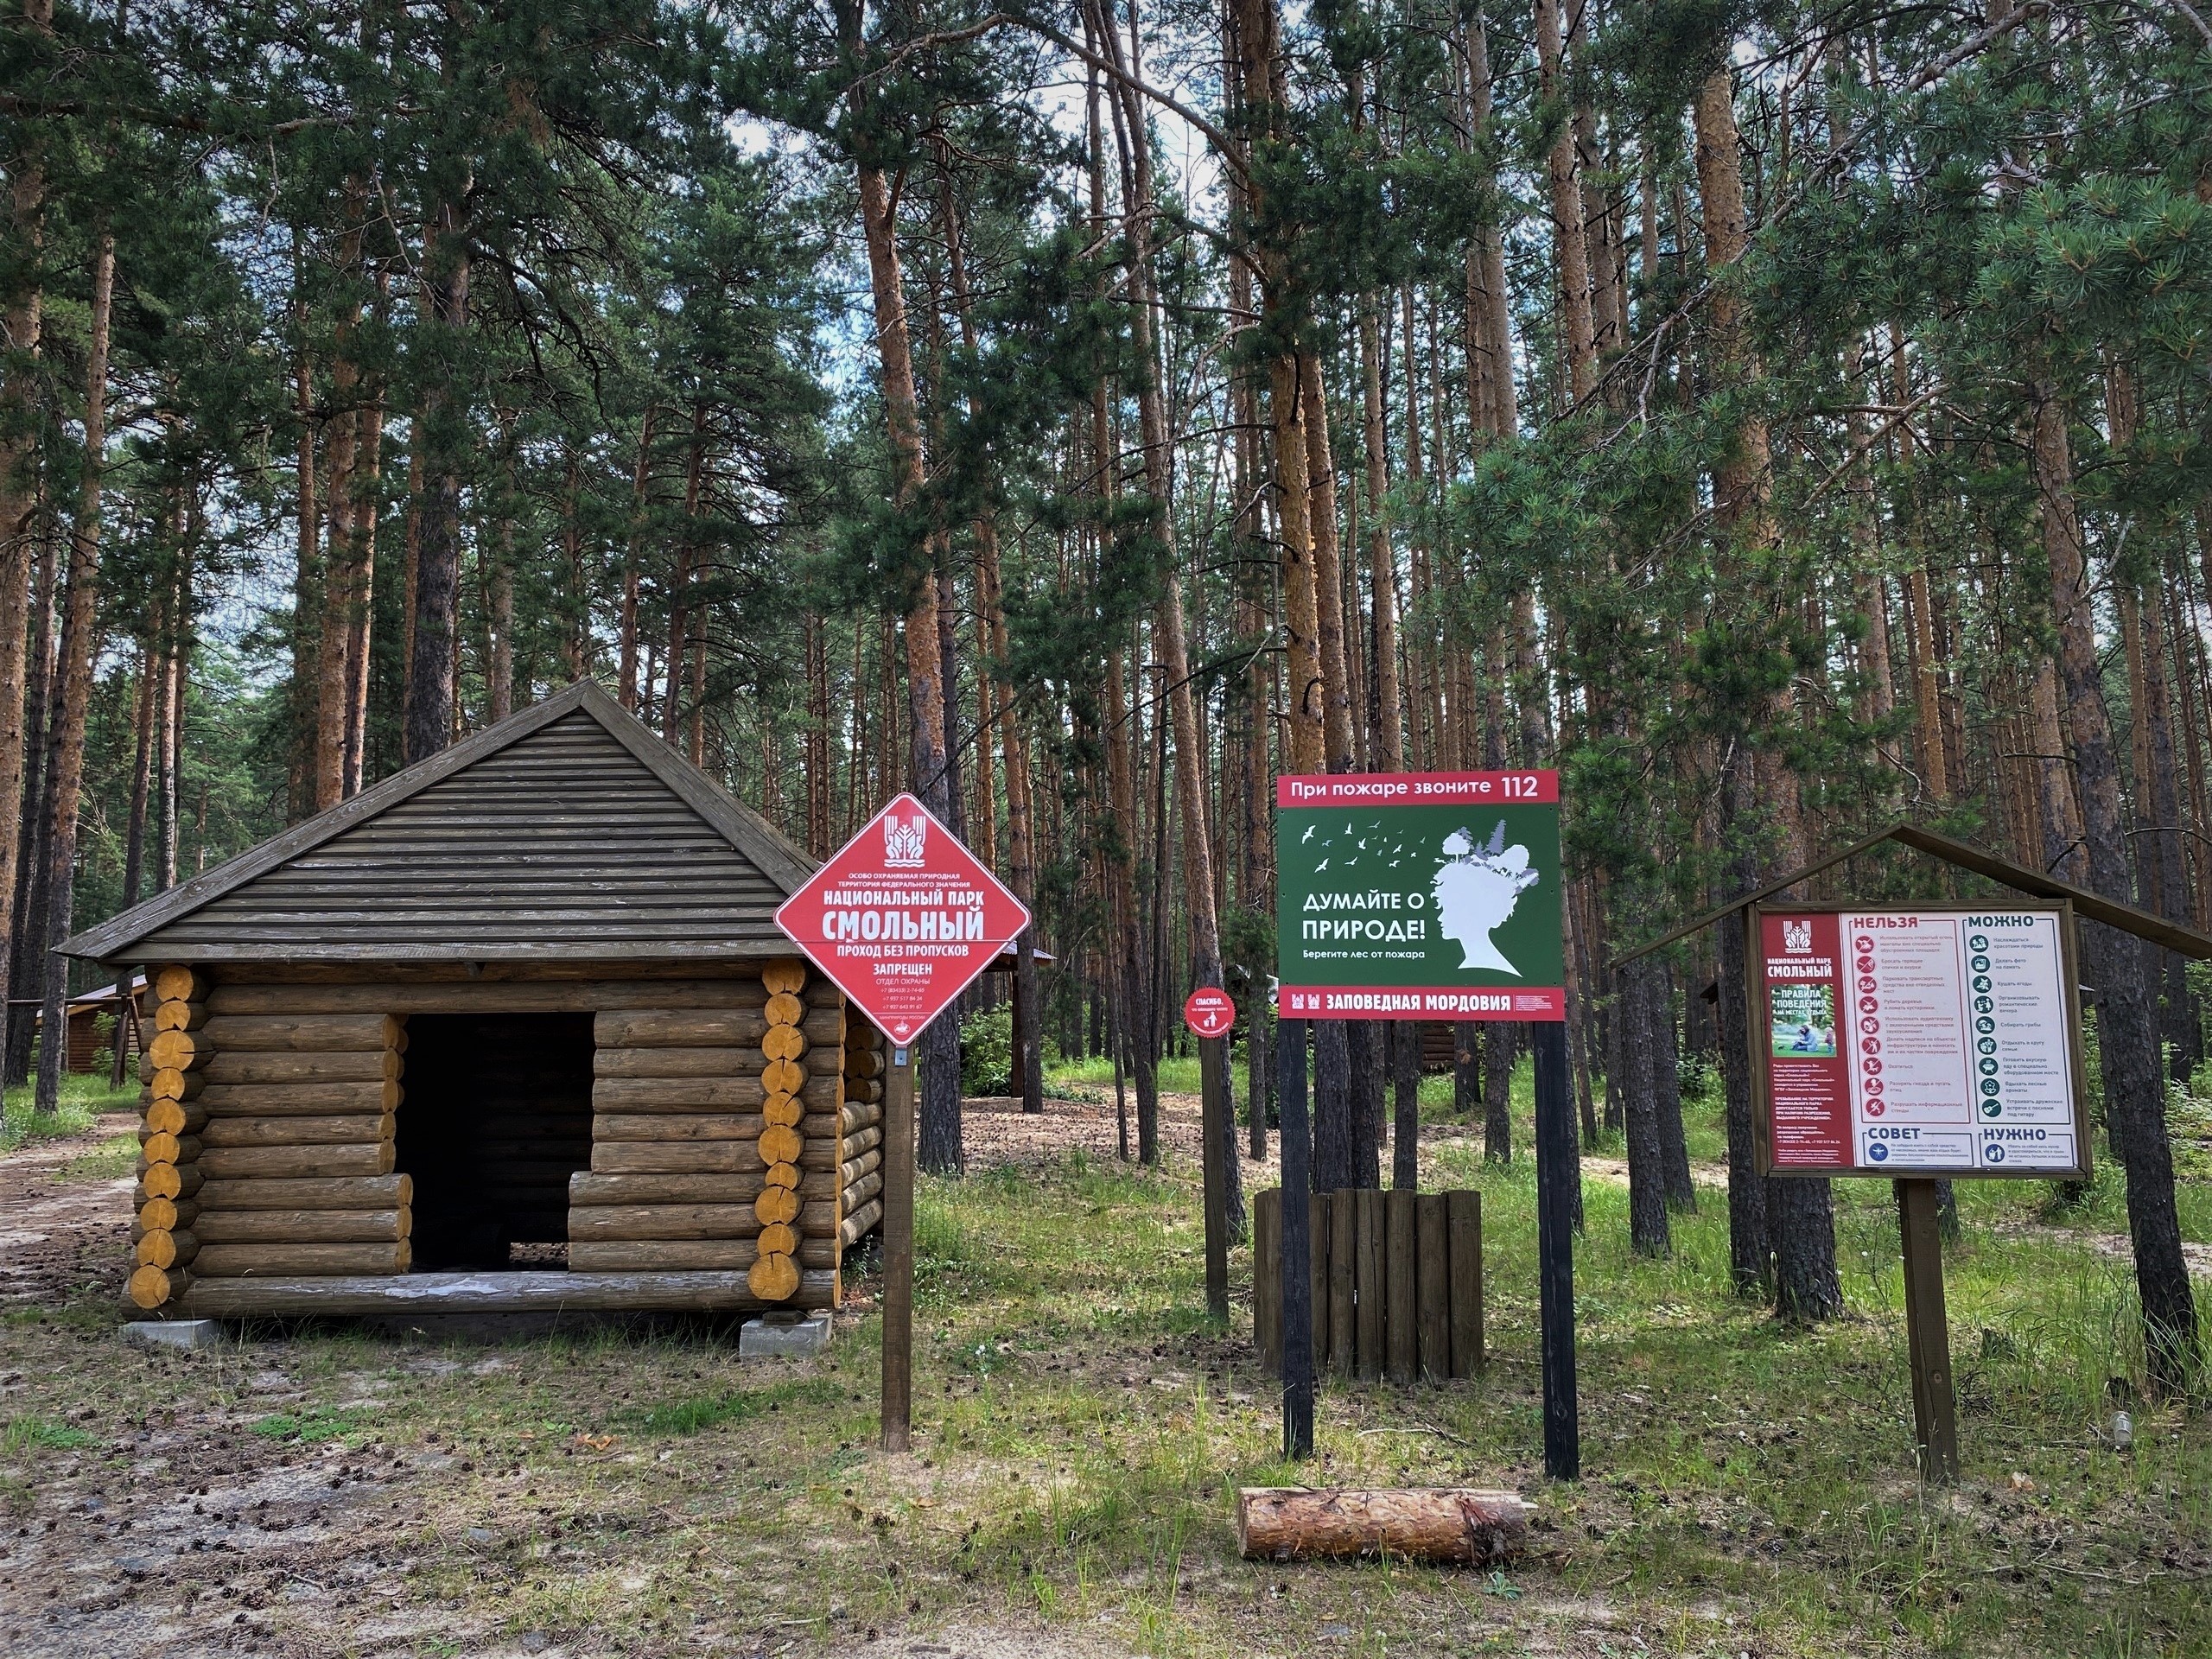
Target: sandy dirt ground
pixel 140 1522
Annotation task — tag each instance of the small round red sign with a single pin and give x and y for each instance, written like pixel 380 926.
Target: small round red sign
pixel 1209 1012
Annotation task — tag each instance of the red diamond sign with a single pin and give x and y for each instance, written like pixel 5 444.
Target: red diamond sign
pixel 903 917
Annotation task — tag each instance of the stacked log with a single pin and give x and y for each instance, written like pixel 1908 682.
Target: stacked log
pixel 174 1067
pixel 717 1140
pixel 774 1275
pixel 298 1143
pixel 861 1124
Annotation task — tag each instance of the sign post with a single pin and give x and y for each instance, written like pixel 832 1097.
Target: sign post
pixel 897 1410
pixel 1427 896
pixel 1297 1144
pixel 902 919
pixel 1210 1014
pixel 1924 1044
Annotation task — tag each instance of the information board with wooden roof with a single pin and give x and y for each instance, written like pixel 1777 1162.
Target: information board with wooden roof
pixel 567 831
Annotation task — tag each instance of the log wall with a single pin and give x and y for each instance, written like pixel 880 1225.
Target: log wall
pixel 719 1139
pixel 267 1142
pixel 736 1122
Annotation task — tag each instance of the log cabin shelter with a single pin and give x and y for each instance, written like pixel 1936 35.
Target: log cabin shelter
pixel 512 1030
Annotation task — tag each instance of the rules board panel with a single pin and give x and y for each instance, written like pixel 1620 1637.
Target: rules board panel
pixel 1931 1041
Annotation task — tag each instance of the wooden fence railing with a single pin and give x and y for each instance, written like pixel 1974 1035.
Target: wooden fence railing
pixel 1397 1283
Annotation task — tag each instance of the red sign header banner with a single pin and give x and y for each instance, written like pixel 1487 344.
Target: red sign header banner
pixel 903 917
pixel 1418 789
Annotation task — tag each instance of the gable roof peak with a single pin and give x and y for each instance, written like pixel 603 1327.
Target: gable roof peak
pixel 735 827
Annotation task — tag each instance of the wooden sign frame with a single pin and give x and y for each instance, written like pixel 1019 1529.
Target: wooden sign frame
pixel 1759 1020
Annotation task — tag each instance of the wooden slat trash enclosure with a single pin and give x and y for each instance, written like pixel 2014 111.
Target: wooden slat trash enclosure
pixel 1397 1283
pixel 513 1030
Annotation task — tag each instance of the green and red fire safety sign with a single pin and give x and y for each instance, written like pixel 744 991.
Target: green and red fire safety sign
pixel 1420 895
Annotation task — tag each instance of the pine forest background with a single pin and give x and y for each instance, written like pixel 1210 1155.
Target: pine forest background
pixel 1782 419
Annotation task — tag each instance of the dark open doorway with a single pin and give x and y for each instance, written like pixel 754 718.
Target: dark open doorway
pixel 497 1116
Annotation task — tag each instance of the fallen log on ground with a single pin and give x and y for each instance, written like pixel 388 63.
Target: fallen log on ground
pixel 1465 1524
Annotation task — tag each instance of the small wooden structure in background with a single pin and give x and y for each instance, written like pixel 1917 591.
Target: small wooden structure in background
pixel 1397 1282
pixel 125 1008
pixel 512 1030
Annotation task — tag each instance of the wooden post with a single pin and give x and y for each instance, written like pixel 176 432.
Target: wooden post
pixel 1465 1218
pixel 1432 1270
pixel 1368 1275
pixel 1927 1332
pixel 898 1248
pixel 1297 1244
pixel 1559 1174
pixel 1400 1314
pixel 1214 1126
pixel 1320 1239
pixel 1343 1278
pixel 1266 1277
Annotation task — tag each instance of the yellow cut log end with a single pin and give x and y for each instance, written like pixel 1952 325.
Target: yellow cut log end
pixel 776 1205
pixel 772 1278
pixel 168 1082
pixel 175 1051
pixel 177 983
pixel 782 1076
pixel 168 1181
pixel 784 1109
pixel 163 1147
pixel 785 1009
pixel 785 976
pixel 163 1249
pixel 780 1145
pixel 782 1174
pixel 151 1286
pixel 782 1042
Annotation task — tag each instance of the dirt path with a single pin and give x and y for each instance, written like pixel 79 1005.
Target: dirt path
pixel 61 1237
pixel 996 1130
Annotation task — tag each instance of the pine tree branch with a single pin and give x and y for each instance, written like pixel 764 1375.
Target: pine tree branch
pixel 1213 134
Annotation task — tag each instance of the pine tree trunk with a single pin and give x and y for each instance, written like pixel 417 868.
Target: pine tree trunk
pixel 25 944
pixel 1574 253
pixel 80 649
pixel 1500 1050
pixel 141 767
pixel 1666 1091
pixel 431 711
pixel 1799 1213
pixel 19 498
pixel 1750 1264
pixel 326 762
pixel 1262 87
pixel 1635 1011
pixel 939 1146
pixel 2135 1103
pixel 308 601
pixel 626 642
pixel 368 471
pixel 501 672
pixel 411 562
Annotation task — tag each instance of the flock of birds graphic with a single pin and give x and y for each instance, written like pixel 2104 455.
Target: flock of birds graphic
pixel 1456 845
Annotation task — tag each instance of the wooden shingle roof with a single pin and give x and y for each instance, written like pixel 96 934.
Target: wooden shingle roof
pixel 567 831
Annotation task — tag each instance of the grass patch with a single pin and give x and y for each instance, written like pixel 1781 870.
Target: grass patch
pixel 44 1433
pixel 309 1428
pixel 112 1160
pixel 85 1097
pixel 704 1412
